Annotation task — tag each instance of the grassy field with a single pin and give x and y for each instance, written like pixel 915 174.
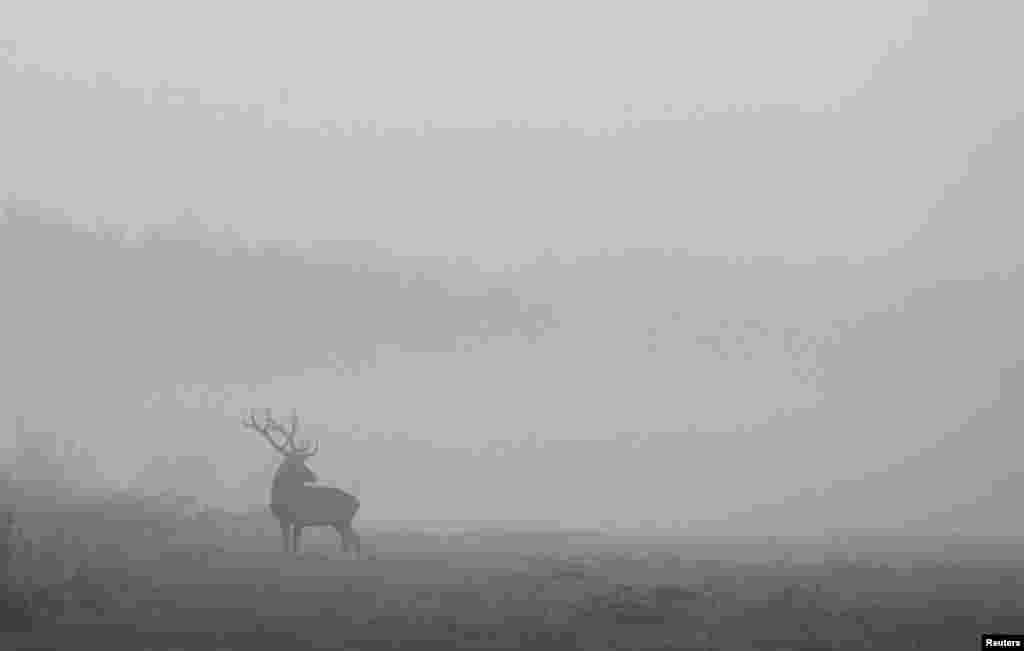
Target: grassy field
pixel 133 575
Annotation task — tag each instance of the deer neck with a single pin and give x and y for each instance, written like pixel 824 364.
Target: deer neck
pixel 284 482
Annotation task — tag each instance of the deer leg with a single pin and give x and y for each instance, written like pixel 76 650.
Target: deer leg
pixel 285 534
pixel 296 535
pixel 340 528
pixel 351 535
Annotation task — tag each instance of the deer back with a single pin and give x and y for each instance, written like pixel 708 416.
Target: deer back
pixel 311 505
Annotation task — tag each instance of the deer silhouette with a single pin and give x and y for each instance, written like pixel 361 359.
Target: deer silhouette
pixel 294 500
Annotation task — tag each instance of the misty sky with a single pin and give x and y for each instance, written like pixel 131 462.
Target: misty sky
pixel 718 235
pixel 594 65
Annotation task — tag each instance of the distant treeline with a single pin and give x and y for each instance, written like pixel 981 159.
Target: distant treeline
pixel 172 307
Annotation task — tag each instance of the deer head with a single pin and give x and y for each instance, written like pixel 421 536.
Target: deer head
pixel 293 468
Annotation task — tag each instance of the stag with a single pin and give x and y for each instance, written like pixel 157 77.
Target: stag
pixel 294 501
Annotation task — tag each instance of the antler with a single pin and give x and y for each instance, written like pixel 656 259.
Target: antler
pixel 288 448
pixel 289 435
pixel 264 429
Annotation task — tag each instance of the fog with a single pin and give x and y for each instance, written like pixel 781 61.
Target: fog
pixel 763 283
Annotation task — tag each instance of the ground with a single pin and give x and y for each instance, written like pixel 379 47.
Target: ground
pixel 126 575
pixel 217 588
